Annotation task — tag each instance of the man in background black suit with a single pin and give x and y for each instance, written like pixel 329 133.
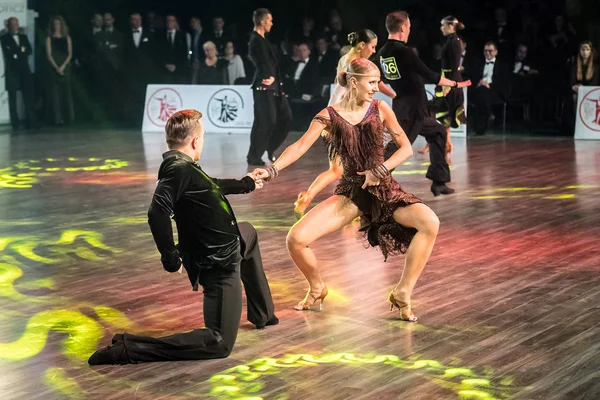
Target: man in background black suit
pixel 327 60
pixel 491 88
pixel 195 39
pixel 219 35
pixel 302 76
pixel 140 65
pixel 109 68
pixel 16 50
pixel 174 53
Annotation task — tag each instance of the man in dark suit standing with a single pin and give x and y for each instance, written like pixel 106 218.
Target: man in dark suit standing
pixel 174 53
pixel 491 89
pixel 215 250
pixel 109 43
pixel 140 65
pixel 195 39
pixel 85 70
pixel 272 113
pixel 501 32
pixel 219 36
pixel 16 49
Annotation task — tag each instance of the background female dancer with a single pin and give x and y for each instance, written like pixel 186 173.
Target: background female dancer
pixel 392 219
pixel 364 43
pixel 448 102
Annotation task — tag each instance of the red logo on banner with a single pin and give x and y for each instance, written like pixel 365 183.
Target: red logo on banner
pixel 589 110
pixel 162 104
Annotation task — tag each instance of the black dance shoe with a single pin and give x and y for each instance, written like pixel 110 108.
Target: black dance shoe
pixel 110 355
pixel 440 188
pixel 273 321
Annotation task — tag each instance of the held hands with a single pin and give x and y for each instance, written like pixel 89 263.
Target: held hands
pixel 258 182
pixel 260 173
pixel 463 84
pixel 370 179
pixel 269 81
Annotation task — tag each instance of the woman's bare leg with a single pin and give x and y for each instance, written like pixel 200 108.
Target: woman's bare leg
pixel 329 216
pixel 422 218
pixel 321 182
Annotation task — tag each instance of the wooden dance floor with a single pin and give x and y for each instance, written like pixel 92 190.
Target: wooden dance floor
pixel 507 306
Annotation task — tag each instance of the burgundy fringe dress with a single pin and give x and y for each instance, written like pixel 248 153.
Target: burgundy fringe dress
pixel 360 148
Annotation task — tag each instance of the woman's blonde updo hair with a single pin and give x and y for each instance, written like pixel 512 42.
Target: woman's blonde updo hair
pixel 358 68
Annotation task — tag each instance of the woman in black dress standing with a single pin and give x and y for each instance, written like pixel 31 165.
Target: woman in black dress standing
pixel 448 103
pixel 59 51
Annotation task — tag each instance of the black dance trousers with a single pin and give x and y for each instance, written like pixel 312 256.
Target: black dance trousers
pixel 222 312
pixel 272 123
pixel 436 136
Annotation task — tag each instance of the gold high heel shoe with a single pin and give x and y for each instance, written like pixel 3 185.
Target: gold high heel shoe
pixel 301 205
pixel 409 316
pixel 307 304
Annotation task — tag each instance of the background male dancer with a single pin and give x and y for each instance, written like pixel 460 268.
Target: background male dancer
pixel 406 73
pixel 212 247
pixel 272 112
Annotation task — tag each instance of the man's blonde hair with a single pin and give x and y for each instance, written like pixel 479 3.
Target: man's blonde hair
pixel 181 126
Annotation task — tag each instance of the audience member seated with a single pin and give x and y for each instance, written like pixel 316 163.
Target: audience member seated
pixel 336 34
pixel 235 68
pixel 489 87
pixel 302 84
pixel 212 71
pixel 523 77
pixel 585 71
pixel 327 60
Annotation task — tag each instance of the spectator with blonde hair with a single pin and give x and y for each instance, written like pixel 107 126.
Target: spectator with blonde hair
pixel 585 69
pixel 212 70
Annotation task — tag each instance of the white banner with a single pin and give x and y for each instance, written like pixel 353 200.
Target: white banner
pixel 225 109
pixel 587 124
pixel 10 8
pixel 461 131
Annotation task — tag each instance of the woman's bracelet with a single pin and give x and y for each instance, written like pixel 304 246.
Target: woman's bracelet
pixel 380 172
pixel 272 171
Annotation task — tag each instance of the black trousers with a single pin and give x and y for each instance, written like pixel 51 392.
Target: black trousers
pixel 484 99
pixel 436 136
pixel 222 312
pixel 28 102
pixel 272 123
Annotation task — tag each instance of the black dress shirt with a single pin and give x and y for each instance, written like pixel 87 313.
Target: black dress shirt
pixel 407 74
pixel 208 233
